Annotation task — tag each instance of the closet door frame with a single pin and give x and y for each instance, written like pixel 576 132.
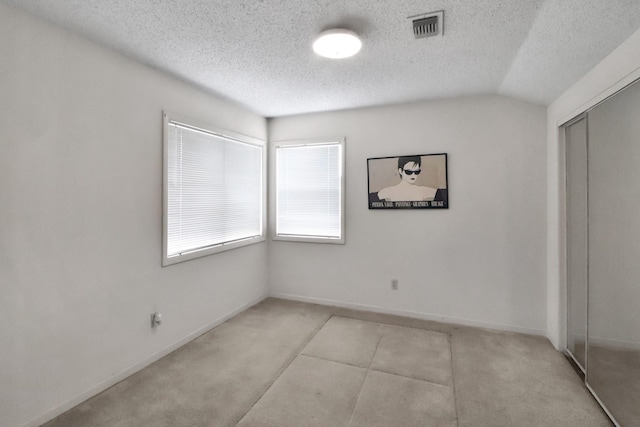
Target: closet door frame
pixel 622 85
pixel 584 369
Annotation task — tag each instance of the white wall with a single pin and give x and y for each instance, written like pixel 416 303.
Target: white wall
pixel 80 221
pixel 618 69
pixel 481 262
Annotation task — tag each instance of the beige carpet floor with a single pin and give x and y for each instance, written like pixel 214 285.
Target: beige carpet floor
pixel 283 363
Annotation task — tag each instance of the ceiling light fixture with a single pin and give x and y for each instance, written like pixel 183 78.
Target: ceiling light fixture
pixel 337 43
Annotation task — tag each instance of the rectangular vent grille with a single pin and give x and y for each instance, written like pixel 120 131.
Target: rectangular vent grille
pixel 425 27
pixel 428 25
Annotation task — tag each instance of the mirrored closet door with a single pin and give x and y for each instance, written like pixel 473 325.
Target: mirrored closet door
pixel 603 251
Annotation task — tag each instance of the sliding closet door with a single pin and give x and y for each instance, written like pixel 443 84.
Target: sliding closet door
pixel 576 155
pixel 613 355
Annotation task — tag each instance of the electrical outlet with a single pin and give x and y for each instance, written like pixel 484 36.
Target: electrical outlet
pixel 394 284
pixel 156 319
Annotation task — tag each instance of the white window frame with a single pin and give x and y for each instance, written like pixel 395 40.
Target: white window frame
pixel 168 118
pixel 341 141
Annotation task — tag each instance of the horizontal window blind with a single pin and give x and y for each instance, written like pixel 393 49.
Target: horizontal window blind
pixel 214 190
pixel 309 187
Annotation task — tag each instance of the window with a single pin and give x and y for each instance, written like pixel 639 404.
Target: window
pixel 310 191
pixel 214 190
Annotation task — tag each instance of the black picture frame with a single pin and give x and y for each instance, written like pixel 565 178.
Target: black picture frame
pixel 419 181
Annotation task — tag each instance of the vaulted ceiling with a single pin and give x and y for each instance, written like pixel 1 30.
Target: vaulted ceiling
pixel 258 53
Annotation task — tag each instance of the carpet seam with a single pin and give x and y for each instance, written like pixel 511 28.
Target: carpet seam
pixel 411 378
pixel 331 360
pixel 376 370
pixel 286 365
pixel 353 411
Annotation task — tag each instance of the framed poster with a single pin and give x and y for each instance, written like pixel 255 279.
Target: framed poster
pixel 408 182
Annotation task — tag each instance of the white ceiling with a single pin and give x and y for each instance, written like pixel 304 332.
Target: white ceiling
pixel 259 54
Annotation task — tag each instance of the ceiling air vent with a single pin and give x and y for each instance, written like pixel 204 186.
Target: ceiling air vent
pixel 428 25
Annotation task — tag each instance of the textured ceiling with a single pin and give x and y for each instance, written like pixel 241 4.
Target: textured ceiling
pixel 259 54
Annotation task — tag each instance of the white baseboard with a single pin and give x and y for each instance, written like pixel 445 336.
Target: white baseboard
pixel 49 415
pixel 414 314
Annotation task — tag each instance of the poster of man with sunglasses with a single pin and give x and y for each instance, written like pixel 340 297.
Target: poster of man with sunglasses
pixel 408 182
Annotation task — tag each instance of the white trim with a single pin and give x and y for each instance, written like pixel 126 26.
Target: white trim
pixel 308 239
pixel 576 362
pixel 413 314
pixel 273 211
pixel 602 405
pixel 167 118
pixel 562 238
pixel 125 373
pixel 601 97
pixel 208 128
pixel 199 253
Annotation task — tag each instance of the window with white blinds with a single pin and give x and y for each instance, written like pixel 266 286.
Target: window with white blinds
pixel 310 191
pixel 214 190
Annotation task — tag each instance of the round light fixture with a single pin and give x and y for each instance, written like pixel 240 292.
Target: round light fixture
pixel 337 43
